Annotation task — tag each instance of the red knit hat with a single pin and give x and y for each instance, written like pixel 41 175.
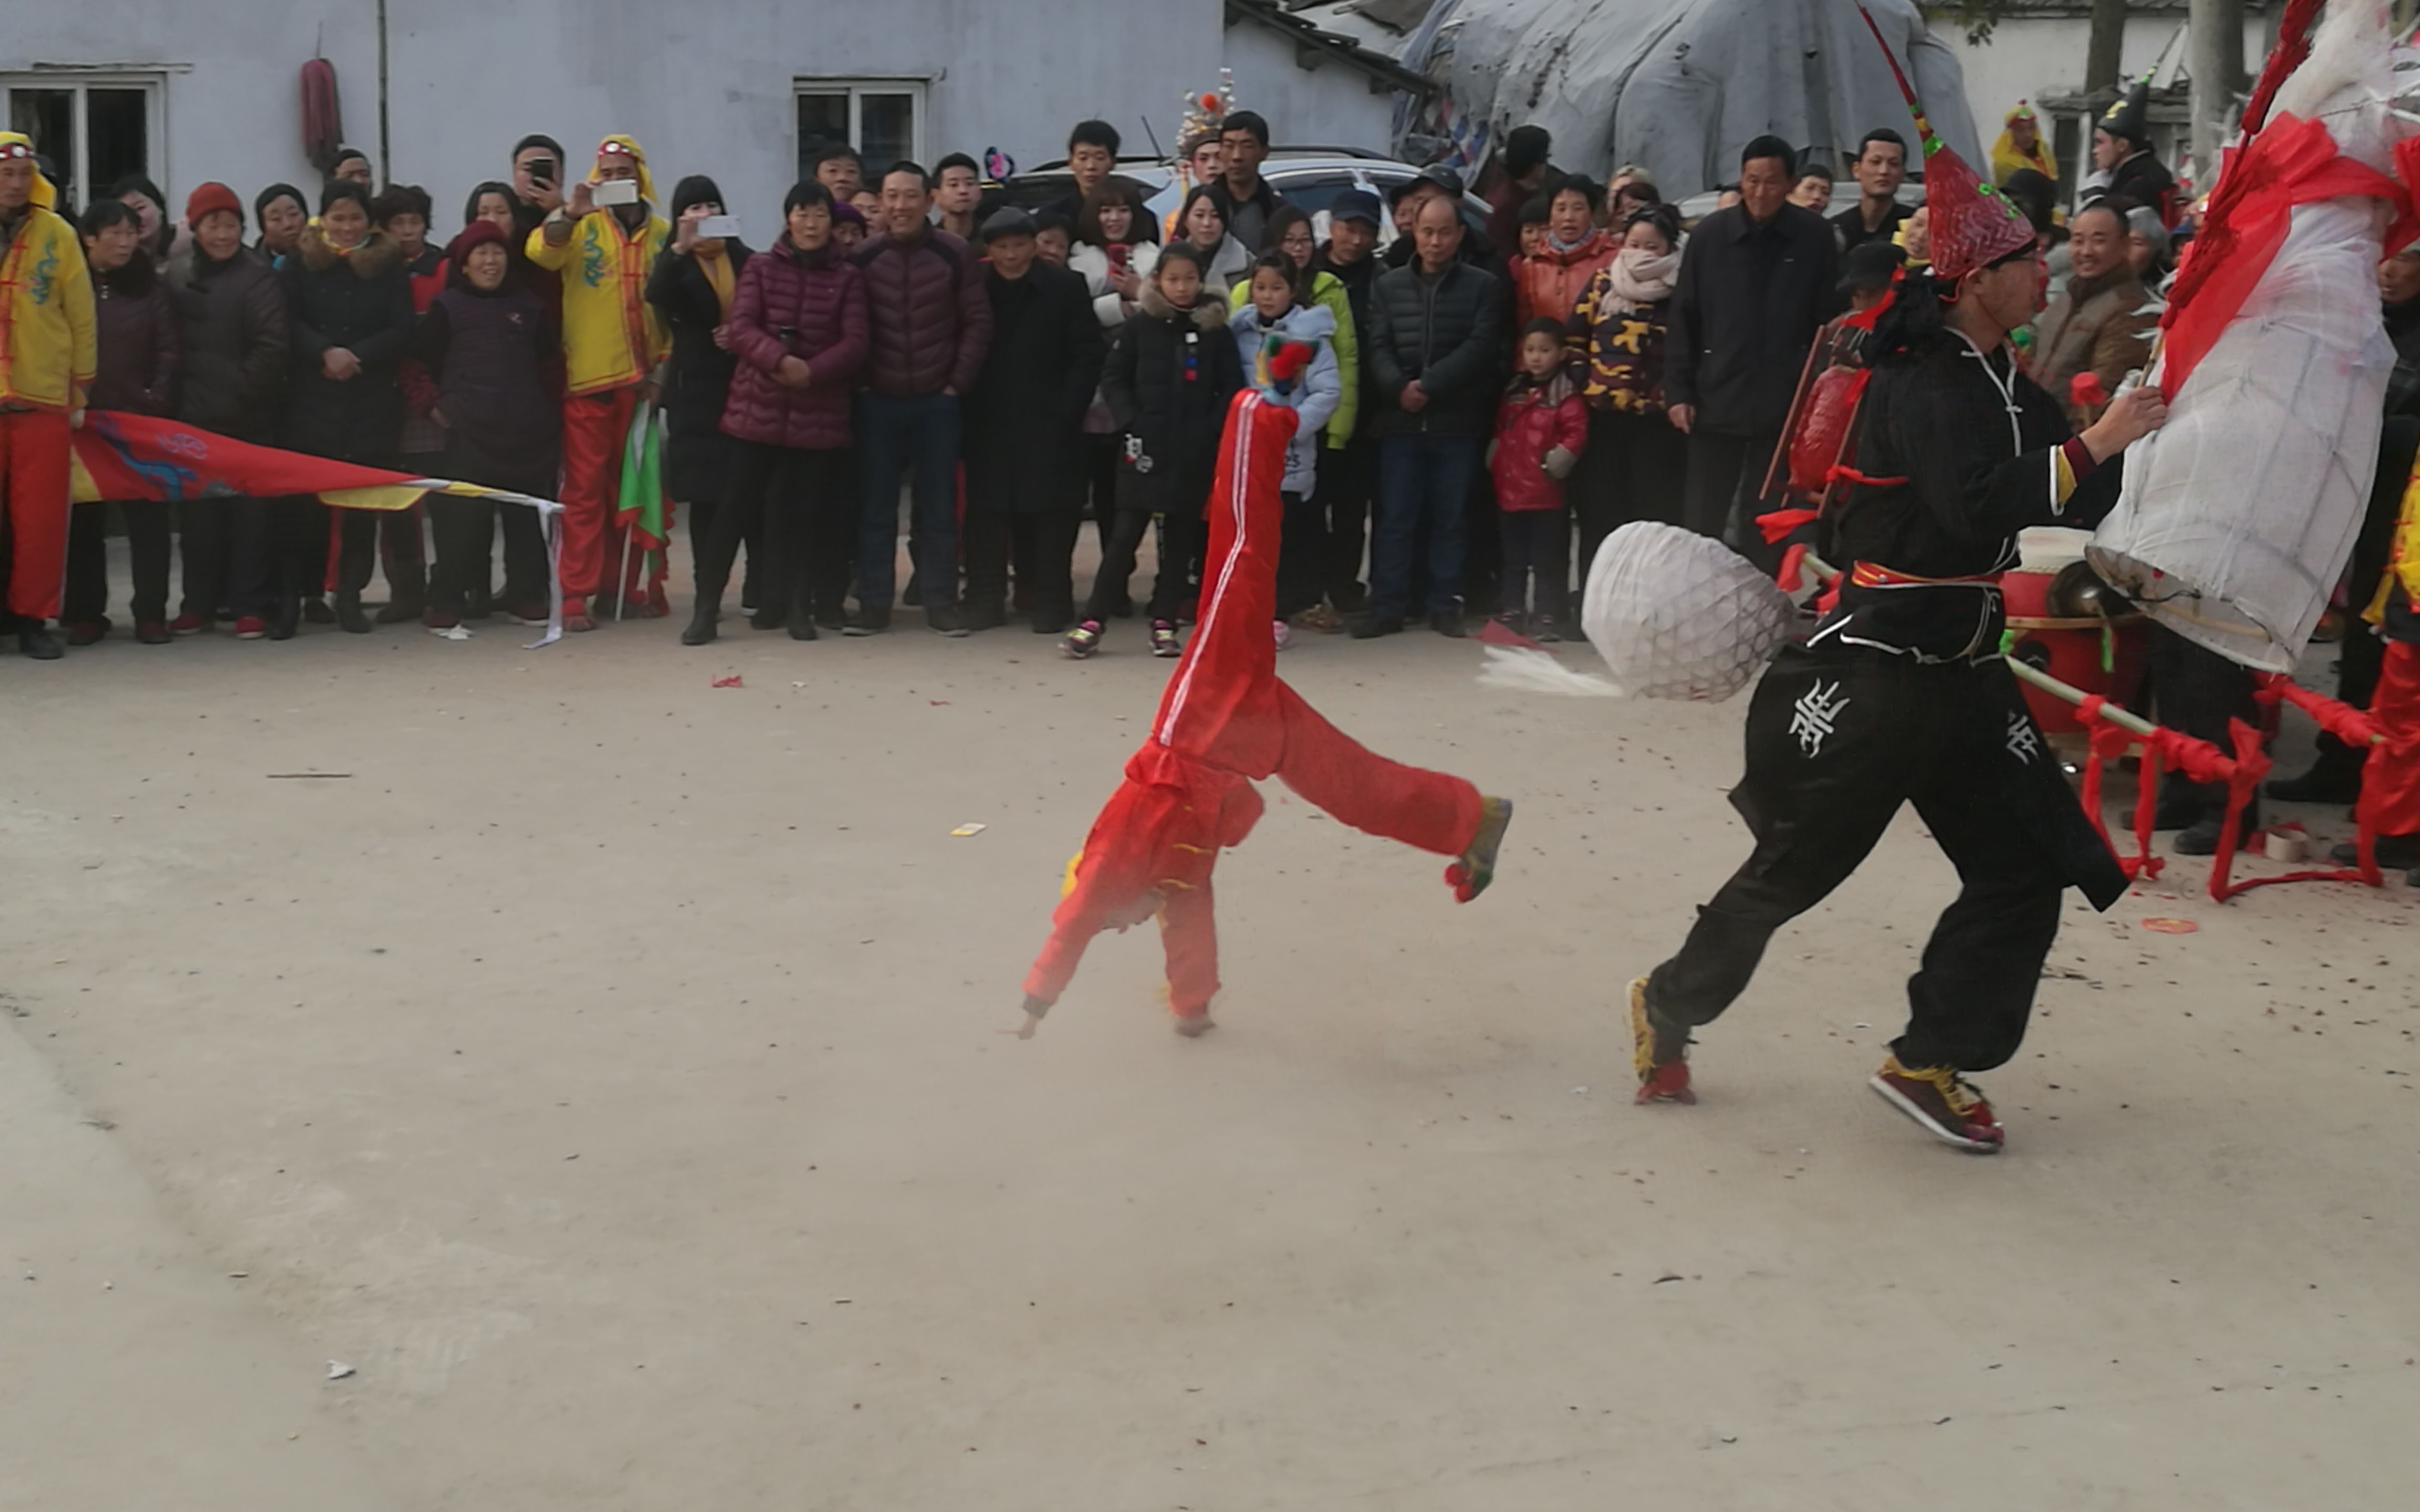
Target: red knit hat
pixel 209 199
pixel 1971 224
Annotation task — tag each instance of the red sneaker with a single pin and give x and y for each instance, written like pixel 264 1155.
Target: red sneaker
pixel 528 612
pixel 152 632
pixel 250 627
pixel 188 624
pixel 439 619
pixel 1937 1097
pixel 85 632
pixel 1661 1078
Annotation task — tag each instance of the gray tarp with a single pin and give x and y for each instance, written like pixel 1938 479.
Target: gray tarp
pixel 1681 86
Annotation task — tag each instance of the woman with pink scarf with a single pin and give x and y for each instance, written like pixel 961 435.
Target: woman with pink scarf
pixel 1636 463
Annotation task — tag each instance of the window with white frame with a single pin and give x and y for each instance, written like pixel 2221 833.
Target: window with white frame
pixel 882 119
pixel 96 128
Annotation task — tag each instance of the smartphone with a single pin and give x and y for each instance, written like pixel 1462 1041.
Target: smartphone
pixel 617 192
pixel 542 172
pixel 719 227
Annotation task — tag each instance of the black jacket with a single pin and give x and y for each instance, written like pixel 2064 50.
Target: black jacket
pixel 1446 331
pixel 231 319
pixel 1969 447
pixel 1264 201
pixel 1167 384
pixel 363 302
pixel 1358 279
pixel 1748 300
pixel 136 334
pixel 698 382
pixel 491 356
pixel 1851 223
pixel 1025 415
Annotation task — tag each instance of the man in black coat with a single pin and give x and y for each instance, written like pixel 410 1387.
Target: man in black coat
pixel 1348 479
pixel 1755 284
pixel 1433 354
pixel 1024 425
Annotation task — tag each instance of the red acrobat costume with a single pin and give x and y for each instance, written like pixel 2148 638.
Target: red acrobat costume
pixel 1225 721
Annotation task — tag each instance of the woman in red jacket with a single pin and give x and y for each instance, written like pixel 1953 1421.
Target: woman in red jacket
pixel 798 327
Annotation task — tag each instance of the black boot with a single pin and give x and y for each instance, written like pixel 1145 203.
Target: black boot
pixel 2200 838
pixel 2334 777
pixel 286 619
pixel 702 626
pixel 35 639
pixel 349 616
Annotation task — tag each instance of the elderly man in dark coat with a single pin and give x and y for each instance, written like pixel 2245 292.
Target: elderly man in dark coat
pixel 1024 427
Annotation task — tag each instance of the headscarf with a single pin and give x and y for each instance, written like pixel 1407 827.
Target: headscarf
pixel 2007 158
pixel 18 144
pixel 627 146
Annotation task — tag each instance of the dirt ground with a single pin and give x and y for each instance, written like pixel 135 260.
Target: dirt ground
pixel 609 1069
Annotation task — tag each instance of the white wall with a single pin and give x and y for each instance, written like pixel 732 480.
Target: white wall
pixel 705 85
pixel 1328 106
pixel 2026 58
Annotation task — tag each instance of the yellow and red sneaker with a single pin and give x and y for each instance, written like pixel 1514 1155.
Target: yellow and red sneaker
pixel 1943 1103
pixel 1663 1072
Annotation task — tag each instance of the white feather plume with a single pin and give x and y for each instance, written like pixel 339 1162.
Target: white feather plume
pixel 1520 670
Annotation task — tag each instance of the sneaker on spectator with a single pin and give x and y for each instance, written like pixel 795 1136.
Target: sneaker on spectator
pixel 1542 630
pixel 867 622
pixel 439 619
pixel 1448 623
pixel 1082 640
pixel 152 632
pixel 944 619
pixel 85 632
pixel 1370 626
pixel 250 627
pixel 527 612
pixel 1163 639
pixel 190 625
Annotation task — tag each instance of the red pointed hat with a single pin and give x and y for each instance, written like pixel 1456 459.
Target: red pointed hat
pixel 1971 224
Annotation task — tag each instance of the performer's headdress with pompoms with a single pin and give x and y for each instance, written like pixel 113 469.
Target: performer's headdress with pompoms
pixel 1972 224
pixel 1203 113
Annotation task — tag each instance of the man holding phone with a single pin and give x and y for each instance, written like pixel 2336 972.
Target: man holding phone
pixel 602 245
pixel 537 180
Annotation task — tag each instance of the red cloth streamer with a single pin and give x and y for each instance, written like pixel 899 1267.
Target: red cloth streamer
pixel 130 456
pixel 1782 521
pixel 2293 163
pixel 2294 47
pixel 2111 742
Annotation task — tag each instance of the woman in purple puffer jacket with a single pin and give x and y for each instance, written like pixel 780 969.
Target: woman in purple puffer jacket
pixel 798 327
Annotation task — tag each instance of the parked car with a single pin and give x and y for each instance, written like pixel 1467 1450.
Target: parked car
pixel 1310 178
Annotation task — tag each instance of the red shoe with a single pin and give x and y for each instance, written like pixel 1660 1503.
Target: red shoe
pixel 528 612
pixel 1661 1079
pixel 439 619
pixel 575 615
pixel 85 632
pixel 188 624
pixel 1942 1101
pixel 250 627
pixel 152 632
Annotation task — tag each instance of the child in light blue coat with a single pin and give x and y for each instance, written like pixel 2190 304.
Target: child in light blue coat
pixel 1279 316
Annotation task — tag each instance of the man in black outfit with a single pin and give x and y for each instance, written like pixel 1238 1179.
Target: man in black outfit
pixel 1242 195
pixel 1880 168
pixel 1348 477
pixel 1024 425
pixel 1755 284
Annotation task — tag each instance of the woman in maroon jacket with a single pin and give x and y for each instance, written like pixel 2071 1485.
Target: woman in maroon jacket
pixel 137 373
pixel 798 330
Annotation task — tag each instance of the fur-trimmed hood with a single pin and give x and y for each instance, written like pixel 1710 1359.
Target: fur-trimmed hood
pixel 378 252
pixel 1209 310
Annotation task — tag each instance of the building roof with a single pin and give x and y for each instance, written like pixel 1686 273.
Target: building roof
pixel 1315 45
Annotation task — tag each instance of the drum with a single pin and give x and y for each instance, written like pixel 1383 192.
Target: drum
pixel 2098 652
